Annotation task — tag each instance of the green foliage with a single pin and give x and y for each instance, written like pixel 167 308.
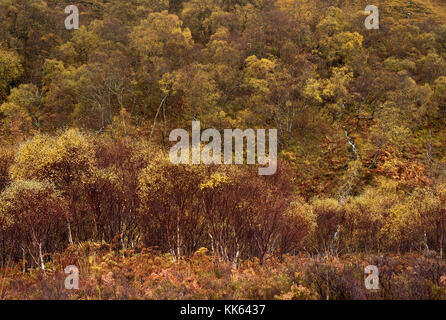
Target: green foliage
pixel 10 70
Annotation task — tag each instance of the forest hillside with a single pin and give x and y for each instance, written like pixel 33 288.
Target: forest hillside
pixel 85 174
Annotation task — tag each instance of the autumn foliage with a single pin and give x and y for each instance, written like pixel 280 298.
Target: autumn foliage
pixel 85 175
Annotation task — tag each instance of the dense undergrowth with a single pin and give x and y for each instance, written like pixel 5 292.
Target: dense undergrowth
pixel 147 274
